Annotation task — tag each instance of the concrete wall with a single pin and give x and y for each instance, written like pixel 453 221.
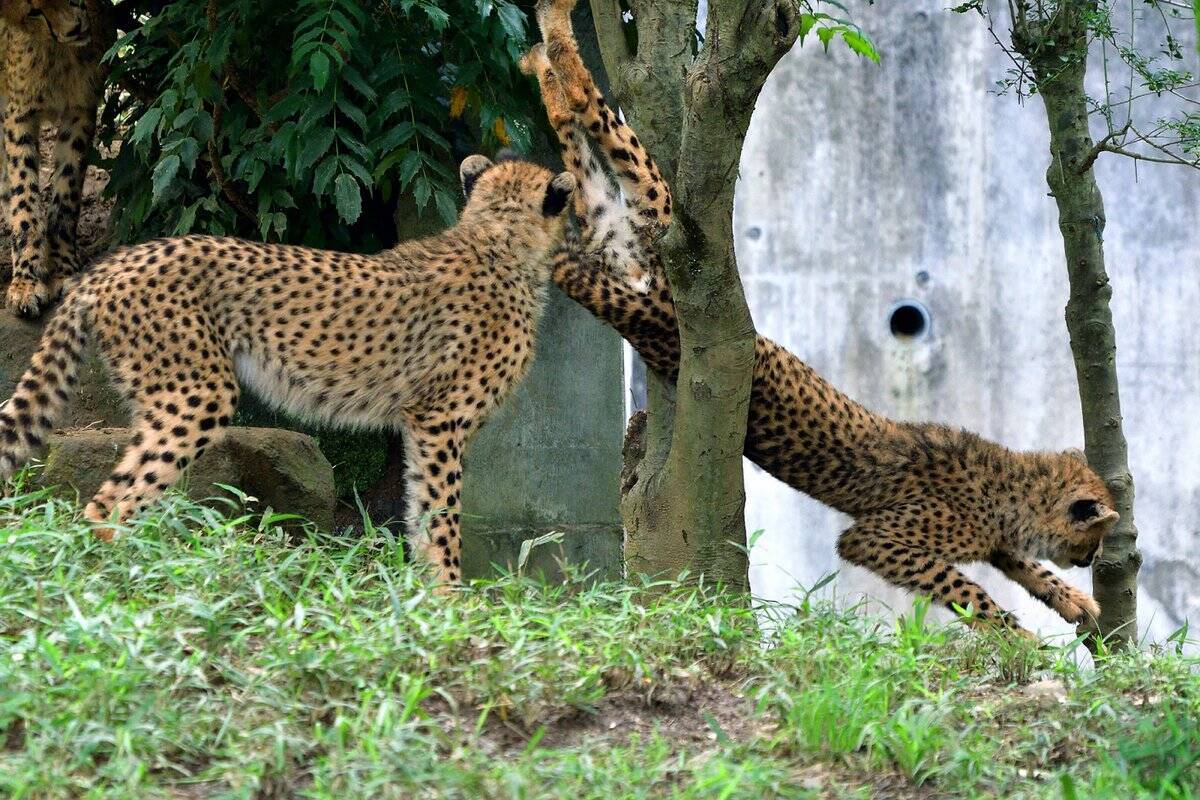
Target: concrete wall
pixel 865 185
pixel 549 459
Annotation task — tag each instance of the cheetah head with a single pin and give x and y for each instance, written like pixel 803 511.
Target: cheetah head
pixel 1081 517
pixel 64 21
pixel 527 201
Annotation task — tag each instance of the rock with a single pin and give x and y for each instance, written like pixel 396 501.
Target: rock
pixel 282 469
pixel 1049 690
pixel 93 402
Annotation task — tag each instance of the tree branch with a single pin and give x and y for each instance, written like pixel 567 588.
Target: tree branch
pixel 614 47
pixel 1101 146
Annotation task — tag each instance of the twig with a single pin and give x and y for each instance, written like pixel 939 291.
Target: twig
pixel 235 198
pixel 1104 145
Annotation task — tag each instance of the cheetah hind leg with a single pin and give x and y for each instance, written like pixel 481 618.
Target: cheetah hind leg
pixel 27 291
pixel 163 444
pixel 65 197
pixel 554 20
pixel 576 152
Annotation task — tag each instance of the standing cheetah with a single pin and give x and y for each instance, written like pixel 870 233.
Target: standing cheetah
pixel 426 337
pixel 51 73
pixel 924 497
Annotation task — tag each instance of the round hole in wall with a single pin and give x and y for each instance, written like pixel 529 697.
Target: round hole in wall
pixel 754 233
pixel 909 320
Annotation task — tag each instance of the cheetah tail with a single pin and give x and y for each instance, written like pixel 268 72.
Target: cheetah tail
pixel 27 418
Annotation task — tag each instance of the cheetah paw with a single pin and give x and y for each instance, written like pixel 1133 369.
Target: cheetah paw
pixel 1076 607
pixel 27 298
pixel 561 6
pixel 534 61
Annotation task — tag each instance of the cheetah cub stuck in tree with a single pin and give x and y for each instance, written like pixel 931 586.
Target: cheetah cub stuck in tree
pixel 51 73
pixel 427 338
pixel 923 497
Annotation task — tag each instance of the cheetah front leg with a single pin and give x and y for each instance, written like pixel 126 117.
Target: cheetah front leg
pixel 918 569
pixel 1073 605
pixel 71 148
pixel 576 153
pixel 27 293
pixel 433 486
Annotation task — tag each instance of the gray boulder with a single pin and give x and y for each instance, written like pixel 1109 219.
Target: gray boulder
pixel 282 469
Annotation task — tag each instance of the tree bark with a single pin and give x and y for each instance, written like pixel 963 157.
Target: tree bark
pixel 684 505
pixel 1056 48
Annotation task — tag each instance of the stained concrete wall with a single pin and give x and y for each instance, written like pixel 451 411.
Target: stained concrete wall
pixel 549 459
pixel 863 185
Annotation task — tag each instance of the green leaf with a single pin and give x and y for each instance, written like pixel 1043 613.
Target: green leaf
pixel 146 125
pixel 187 218
pixel 422 191
pixel 408 168
pixel 437 17
pixel 317 145
pixel 512 19
pixel 164 174
pixel 318 67
pixel 807 21
pixel 446 206
pixel 323 175
pixel 352 111
pixel 348 198
pixel 825 34
pixel 862 45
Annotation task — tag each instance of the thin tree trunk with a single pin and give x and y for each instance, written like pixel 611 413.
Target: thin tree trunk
pixel 1057 51
pixel 684 505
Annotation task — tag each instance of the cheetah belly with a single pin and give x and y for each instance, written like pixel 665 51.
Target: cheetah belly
pixel 349 400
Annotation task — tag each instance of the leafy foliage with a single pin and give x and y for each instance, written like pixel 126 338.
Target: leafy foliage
pixel 1142 61
pixel 306 121
pixel 827 27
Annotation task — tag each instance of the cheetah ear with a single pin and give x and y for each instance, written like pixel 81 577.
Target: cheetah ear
pixel 558 194
pixel 472 167
pixel 1087 514
pixel 1075 453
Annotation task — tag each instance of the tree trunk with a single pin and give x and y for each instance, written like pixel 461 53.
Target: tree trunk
pixel 684 504
pixel 1057 51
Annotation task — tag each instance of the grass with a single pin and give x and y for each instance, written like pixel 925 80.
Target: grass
pixel 209 657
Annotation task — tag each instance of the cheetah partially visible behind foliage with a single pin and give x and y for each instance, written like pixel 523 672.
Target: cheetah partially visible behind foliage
pixel 50 74
pixel 427 338
pixel 924 497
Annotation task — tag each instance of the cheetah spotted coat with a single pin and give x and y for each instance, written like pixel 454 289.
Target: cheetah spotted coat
pixel 427 337
pixel 51 74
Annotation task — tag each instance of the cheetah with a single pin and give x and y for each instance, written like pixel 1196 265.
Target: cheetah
pixel 426 338
pixel 51 73
pixel 924 497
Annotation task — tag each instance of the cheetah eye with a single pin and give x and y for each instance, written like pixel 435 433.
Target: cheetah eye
pixel 1083 510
